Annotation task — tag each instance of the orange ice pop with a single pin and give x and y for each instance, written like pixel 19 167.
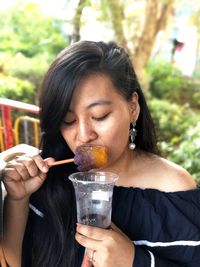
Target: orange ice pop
pixel 87 158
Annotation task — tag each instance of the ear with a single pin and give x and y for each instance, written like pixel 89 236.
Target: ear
pixel 134 107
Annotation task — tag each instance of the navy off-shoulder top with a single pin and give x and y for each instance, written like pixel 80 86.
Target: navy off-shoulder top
pixel 164 227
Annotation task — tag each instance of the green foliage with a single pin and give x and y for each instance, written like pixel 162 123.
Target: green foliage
pixel 29 41
pixel 25 30
pixel 166 82
pixel 178 131
pixel 16 89
pixel 187 154
pixel 171 119
pixel 191 92
pixel 176 115
pixel 30 69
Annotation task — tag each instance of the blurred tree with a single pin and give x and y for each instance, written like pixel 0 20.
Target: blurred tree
pixel 139 39
pixel 28 43
pixel 76 23
pixel 195 20
pixel 156 17
pixel 25 30
pixel 117 17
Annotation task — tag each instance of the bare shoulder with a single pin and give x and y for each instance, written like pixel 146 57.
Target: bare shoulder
pixel 171 177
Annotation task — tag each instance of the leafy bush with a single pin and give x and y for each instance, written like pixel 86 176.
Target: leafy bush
pixel 16 89
pixel 28 43
pixel 191 92
pixel 187 154
pixel 178 131
pixel 166 82
pixel 172 120
pixel 25 30
pixel 30 69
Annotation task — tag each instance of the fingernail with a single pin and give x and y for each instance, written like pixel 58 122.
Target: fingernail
pixel 45 169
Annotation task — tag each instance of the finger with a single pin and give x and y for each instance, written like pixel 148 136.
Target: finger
pixel 87 242
pixel 10 174
pixel 41 163
pixel 22 171
pixel 29 164
pixel 16 170
pixel 34 164
pixel 49 160
pixel 90 253
pixel 93 232
pixel 88 259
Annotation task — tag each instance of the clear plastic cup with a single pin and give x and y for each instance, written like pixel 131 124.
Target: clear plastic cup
pixel 94 191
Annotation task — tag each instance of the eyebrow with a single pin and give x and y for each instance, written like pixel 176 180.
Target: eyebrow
pixel 99 102
pixel 96 103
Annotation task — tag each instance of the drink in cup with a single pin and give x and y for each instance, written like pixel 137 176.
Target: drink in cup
pixel 94 192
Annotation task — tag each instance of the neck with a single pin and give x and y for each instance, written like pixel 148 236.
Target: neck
pixel 123 164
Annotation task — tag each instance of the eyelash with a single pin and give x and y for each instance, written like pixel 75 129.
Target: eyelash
pixel 101 118
pixel 97 119
pixel 68 123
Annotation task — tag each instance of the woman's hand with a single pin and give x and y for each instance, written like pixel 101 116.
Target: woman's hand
pixel 106 247
pixel 24 174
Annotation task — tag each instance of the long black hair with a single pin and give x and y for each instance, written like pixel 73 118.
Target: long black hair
pixel 51 238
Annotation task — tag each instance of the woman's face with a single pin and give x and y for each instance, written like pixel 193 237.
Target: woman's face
pixel 99 115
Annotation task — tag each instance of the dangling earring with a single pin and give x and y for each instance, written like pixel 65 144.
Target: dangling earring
pixel 132 134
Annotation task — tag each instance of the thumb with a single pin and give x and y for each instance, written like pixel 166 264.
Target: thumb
pixel 49 160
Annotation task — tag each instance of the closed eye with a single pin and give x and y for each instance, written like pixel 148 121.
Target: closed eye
pixel 101 118
pixel 68 123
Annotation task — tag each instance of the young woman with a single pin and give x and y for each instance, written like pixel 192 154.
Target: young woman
pixel 91 96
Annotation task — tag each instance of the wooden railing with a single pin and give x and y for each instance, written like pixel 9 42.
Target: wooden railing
pixel 15 127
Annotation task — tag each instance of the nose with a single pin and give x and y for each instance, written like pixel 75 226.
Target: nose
pixel 86 133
